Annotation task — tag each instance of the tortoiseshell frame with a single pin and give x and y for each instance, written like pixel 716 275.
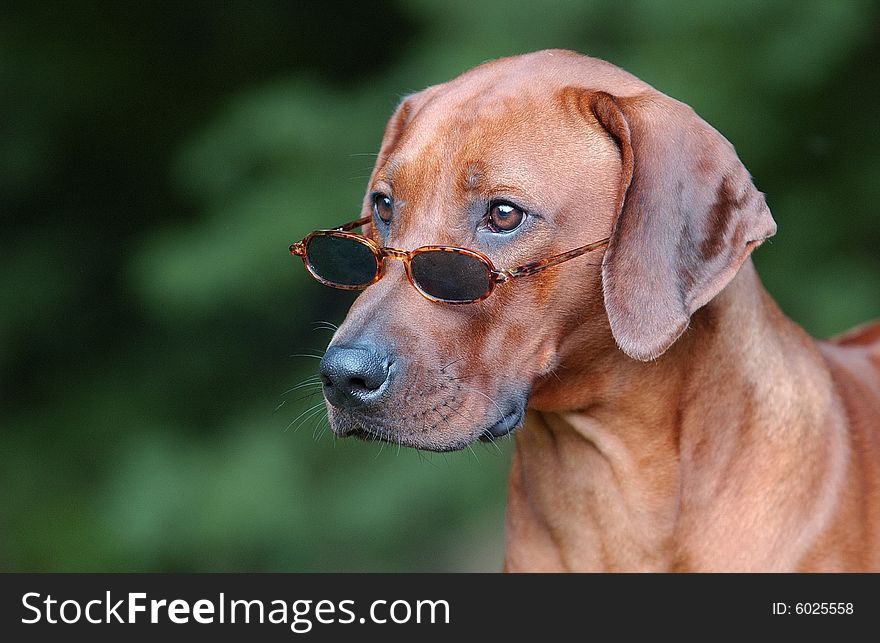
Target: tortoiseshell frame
pixel 496 275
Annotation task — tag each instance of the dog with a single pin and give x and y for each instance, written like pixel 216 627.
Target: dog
pixel 674 418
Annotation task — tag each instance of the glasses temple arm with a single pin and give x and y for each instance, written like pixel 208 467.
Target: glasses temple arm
pixel 537 266
pixel 298 248
pixel 354 224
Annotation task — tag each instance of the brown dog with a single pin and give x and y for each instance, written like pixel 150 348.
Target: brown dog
pixel 677 419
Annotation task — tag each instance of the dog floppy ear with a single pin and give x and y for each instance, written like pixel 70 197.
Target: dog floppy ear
pixel 689 216
pixel 394 130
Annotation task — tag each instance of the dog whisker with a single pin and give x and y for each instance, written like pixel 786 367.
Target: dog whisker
pixel 325 422
pixel 314 380
pixel 471 376
pixel 315 412
pixel 322 325
pixel 311 388
pixel 311 408
pixel 455 361
pixel 307 395
pixel 319 429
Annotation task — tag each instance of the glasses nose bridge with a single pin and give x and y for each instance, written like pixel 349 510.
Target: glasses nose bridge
pixel 394 253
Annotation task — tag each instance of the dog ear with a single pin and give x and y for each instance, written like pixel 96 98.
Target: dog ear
pixel 394 128
pixel 390 138
pixel 689 215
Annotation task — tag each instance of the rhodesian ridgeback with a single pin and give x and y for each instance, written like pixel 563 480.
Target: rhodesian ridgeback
pixel 597 236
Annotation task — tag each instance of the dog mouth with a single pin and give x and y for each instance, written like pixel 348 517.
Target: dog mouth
pixel 373 429
pixel 509 422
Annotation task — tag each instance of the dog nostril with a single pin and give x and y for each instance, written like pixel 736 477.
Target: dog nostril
pixel 354 375
pixel 359 382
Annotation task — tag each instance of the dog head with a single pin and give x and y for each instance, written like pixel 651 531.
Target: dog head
pixel 520 159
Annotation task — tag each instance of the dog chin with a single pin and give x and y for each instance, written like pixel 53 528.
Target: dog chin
pixel 347 425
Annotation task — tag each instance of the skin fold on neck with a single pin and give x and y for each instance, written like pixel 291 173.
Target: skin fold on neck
pixel 722 454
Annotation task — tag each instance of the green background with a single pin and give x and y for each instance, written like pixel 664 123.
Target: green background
pixel 157 159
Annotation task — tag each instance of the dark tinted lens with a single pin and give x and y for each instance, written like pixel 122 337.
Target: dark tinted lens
pixel 450 275
pixel 341 261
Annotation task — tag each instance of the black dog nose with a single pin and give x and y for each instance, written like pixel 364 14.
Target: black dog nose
pixel 354 375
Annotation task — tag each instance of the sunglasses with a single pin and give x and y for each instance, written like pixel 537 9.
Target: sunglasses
pixel 342 259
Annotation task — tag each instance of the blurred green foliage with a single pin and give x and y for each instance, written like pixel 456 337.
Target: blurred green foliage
pixel 157 160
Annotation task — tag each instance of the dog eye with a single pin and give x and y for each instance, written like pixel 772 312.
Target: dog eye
pixel 382 207
pixel 504 217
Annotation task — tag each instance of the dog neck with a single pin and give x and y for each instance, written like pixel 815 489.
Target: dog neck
pixel 651 461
